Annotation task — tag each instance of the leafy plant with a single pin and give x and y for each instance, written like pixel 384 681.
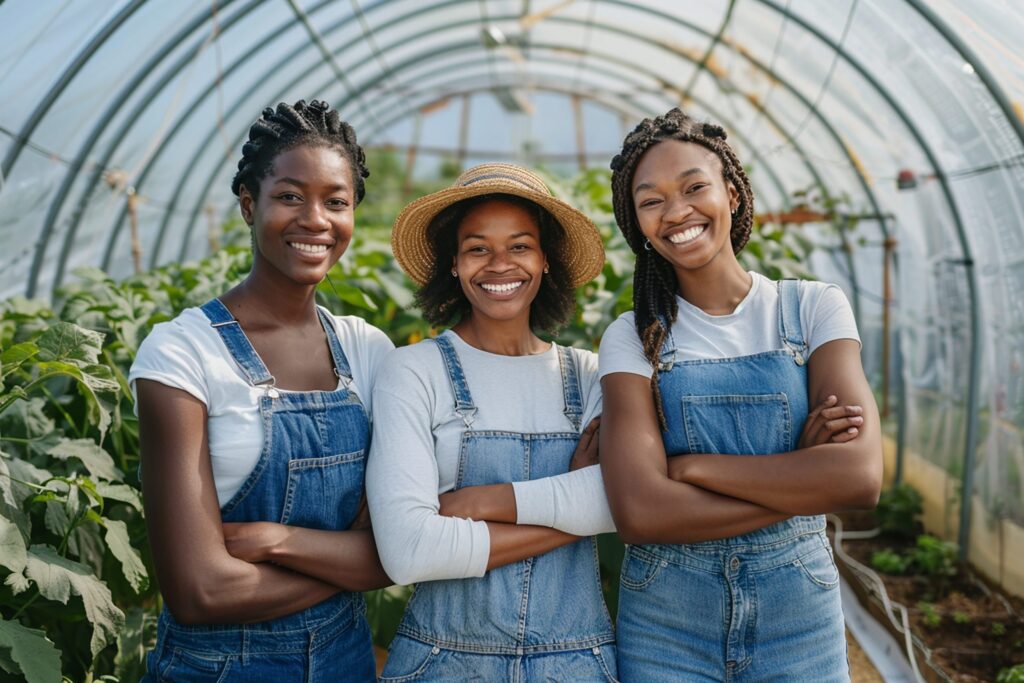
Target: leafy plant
pixel 929 615
pixel 898 510
pixel 1012 674
pixel 889 562
pixel 997 630
pixel 961 618
pixel 934 558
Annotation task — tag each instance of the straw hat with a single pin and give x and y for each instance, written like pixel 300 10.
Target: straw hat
pixel 582 250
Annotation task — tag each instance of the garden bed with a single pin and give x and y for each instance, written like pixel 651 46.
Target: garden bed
pixel 962 628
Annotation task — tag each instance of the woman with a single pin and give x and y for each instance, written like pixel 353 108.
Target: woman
pixel 494 412
pixel 716 362
pixel 253 407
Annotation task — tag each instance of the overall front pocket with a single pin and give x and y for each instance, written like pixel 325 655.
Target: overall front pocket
pixel 324 493
pixel 737 424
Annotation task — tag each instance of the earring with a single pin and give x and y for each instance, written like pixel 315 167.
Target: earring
pixel 647 245
pixel 455 273
pixel 546 270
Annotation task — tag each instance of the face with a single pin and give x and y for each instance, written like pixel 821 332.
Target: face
pixel 499 260
pixel 303 219
pixel 684 205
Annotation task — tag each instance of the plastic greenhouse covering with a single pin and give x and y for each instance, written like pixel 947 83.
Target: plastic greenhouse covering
pixel 904 117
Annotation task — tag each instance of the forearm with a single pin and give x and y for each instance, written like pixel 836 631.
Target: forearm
pixel 660 510
pixel 511 542
pixel 345 559
pixel 809 481
pixel 232 591
pixel 574 502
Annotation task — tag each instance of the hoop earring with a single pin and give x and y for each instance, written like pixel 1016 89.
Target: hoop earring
pixel 647 245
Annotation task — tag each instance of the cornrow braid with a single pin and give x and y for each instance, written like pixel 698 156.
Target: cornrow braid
pixel 289 126
pixel 654 280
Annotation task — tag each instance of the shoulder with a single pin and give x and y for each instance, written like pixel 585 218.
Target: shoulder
pixel 356 329
pixel 189 331
pixel 586 361
pixel 420 363
pixel 621 334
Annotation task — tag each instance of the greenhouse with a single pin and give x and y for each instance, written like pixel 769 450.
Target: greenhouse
pixel 883 139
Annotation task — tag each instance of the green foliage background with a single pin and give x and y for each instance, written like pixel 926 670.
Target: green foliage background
pixel 77 598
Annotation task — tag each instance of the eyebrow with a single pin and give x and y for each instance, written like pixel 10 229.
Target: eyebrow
pixel 684 174
pixel 511 237
pixel 298 183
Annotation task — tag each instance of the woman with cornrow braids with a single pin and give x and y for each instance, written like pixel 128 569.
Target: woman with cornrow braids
pixel 728 575
pixel 254 424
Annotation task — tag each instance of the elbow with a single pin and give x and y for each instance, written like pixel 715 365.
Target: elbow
pixel 865 487
pixel 192 608
pixel 632 524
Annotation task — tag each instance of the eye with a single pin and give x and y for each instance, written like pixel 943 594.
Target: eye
pixel 520 247
pixel 646 203
pixel 697 186
pixel 289 197
pixel 337 203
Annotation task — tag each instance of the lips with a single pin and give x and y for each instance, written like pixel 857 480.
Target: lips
pixel 687 234
pixel 502 288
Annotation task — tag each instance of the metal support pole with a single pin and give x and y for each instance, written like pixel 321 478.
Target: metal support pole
pixel 410 158
pixel 463 131
pixel 133 229
pixel 581 144
pixel 890 245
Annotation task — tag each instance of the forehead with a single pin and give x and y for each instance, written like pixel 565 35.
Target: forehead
pixel 311 160
pixel 497 216
pixel 667 159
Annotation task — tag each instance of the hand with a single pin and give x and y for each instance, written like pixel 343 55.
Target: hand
pixel 831 423
pixel 493 503
pixel 362 520
pixel 585 454
pixel 253 541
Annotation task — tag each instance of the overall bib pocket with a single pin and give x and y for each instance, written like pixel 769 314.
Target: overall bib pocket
pixel 737 424
pixel 324 493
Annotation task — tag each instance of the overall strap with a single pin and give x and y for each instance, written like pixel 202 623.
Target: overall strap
pixel 237 343
pixel 571 387
pixel 464 407
pixel 789 319
pixel 341 366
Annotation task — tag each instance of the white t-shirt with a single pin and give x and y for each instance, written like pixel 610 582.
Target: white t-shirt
pixel 415 452
pixel 188 354
pixel 753 327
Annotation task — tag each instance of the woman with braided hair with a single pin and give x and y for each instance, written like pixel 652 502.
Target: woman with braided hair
pixel 728 575
pixel 254 424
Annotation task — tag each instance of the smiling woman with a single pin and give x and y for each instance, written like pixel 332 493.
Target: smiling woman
pixel 254 424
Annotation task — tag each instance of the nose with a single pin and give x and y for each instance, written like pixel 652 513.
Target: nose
pixel 677 208
pixel 500 261
pixel 314 217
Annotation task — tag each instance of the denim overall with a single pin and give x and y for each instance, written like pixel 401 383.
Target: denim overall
pixel 542 618
pixel 756 607
pixel 309 474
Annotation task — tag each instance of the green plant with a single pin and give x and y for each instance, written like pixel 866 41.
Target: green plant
pixel 898 510
pixel 929 615
pixel 889 561
pixel 934 558
pixel 961 618
pixel 1012 674
pixel 997 630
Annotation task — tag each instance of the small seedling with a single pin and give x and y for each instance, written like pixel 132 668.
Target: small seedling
pixel 889 562
pixel 998 629
pixel 898 510
pixel 961 618
pixel 929 615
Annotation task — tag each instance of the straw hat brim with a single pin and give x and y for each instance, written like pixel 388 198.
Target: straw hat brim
pixel 582 250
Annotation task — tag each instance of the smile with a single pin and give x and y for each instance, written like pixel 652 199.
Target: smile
pixel 502 288
pixel 687 235
pixel 309 248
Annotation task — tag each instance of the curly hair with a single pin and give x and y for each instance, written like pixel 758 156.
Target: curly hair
pixel 654 280
pixel 289 126
pixel 442 300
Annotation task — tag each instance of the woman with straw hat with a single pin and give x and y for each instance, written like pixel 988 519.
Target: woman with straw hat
pixel 481 423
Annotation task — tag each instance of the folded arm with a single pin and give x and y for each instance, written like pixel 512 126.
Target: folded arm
pixel 200 581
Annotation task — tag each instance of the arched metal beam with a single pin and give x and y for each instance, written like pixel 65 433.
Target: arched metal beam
pixel 102 122
pixel 51 97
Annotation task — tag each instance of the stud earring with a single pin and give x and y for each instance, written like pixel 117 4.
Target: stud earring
pixel 455 273
pixel 546 270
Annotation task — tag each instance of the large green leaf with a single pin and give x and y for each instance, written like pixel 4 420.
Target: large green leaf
pixel 96 460
pixel 68 342
pixel 12 357
pixel 121 547
pixel 58 578
pixel 12 546
pixel 132 644
pixel 33 655
pixel 120 492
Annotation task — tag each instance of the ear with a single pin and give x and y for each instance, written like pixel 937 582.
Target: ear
pixel 734 197
pixel 247 205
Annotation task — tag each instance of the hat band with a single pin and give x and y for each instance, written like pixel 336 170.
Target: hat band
pixel 500 176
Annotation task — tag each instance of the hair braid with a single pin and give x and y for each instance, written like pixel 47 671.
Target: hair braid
pixel 654 281
pixel 288 126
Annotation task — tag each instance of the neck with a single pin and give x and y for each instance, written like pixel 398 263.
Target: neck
pixel 501 337
pixel 264 300
pixel 717 288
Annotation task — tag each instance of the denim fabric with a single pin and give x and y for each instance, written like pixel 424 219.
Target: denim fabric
pixel 757 607
pixel 310 474
pixel 542 618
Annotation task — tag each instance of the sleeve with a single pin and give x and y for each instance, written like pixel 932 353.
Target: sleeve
pixel 168 356
pixel 827 316
pixel 415 543
pixel 574 502
pixel 372 346
pixel 621 350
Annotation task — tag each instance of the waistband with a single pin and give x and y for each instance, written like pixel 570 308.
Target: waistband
pixel 782 538
pixel 585 643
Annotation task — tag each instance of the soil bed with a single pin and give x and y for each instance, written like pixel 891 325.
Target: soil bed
pixel 972 629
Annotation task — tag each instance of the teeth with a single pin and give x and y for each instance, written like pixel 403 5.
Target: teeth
pixel 686 235
pixel 309 248
pixel 502 288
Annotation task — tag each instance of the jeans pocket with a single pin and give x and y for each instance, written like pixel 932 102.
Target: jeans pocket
pixel 606 660
pixel 184 665
pixel 737 424
pixel 640 568
pixel 407 660
pixel 819 566
pixel 324 493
